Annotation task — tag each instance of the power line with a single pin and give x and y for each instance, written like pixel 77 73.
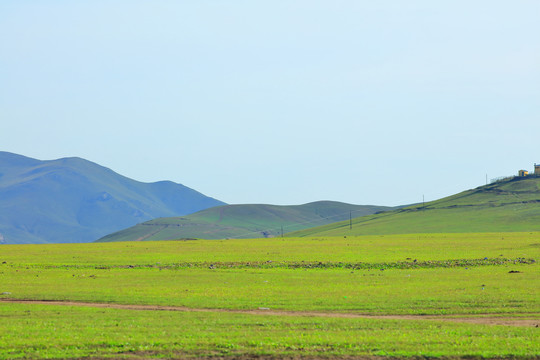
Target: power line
pixel 301 223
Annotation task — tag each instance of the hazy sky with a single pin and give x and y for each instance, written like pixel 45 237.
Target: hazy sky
pixel 282 102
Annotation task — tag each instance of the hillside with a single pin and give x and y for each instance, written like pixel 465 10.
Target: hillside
pixel 509 205
pixel 75 200
pixel 243 221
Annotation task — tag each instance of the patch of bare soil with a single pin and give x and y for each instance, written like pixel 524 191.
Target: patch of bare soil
pixel 532 320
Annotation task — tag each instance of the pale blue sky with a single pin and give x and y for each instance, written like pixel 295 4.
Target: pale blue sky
pixel 282 102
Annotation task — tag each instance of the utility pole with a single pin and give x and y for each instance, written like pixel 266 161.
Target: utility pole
pixel 350 220
pixel 423 202
pixel 281 230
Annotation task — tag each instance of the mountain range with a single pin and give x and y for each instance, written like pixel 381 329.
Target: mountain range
pixel 511 204
pixel 75 200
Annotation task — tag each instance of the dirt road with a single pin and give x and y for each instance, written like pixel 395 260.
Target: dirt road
pixel 491 319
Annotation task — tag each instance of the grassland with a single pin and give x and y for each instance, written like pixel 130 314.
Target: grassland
pixel 427 295
pixel 34 331
pixel 509 205
pixel 243 221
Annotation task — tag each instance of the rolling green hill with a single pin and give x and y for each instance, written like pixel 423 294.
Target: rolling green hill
pixel 509 205
pixel 75 200
pixel 243 221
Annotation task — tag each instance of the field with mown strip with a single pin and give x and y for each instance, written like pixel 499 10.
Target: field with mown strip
pixel 275 297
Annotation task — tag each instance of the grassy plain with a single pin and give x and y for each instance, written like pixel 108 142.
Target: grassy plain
pixel 474 276
pixel 350 249
pixel 44 331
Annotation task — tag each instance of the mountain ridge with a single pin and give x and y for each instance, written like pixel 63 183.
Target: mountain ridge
pixel 242 221
pixel 75 200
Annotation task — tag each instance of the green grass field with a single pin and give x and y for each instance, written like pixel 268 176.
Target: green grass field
pixel 44 331
pixel 424 295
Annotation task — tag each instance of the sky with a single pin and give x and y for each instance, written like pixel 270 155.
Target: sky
pixel 282 101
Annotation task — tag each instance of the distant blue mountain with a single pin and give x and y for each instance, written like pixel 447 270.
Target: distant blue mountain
pixel 75 200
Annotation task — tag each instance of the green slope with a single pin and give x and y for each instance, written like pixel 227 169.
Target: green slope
pixel 509 205
pixel 243 221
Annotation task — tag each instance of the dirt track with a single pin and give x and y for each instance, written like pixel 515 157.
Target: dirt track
pixel 476 319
